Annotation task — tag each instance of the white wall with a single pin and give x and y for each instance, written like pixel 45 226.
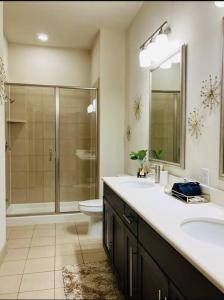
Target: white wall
pixel 112 102
pixel 48 65
pixel 2 150
pixel 108 65
pixel 5 53
pixel 199 24
pixel 95 60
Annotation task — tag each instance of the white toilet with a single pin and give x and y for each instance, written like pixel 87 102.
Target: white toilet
pixel 93 209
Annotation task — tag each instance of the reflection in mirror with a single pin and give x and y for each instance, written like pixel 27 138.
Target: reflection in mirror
pixel 221 153
pixel 167 117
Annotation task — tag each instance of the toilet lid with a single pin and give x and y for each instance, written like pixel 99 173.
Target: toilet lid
pixel 90 203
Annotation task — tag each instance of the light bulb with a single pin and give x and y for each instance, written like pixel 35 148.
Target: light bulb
pixel 166 65
pixel 219 3
pixel 162 39
pixel 176 58
pixel 43 37
pixel 152 52
pixel 144 58
pixel 159 52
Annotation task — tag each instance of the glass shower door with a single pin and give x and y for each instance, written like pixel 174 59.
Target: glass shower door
pixel 78 147
pixel 31 150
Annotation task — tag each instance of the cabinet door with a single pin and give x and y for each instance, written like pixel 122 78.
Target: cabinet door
pixel 118 247
pixel 152 283
pixel 174 293
pixel 130 263
pixel 108 228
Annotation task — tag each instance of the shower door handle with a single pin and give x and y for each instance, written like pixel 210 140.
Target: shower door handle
pixel 7 146
pixel 50 154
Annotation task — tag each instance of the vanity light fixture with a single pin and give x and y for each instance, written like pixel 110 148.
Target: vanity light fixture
pixel 154 49
pixel 166 65
pixel 219 3
pixel 43 37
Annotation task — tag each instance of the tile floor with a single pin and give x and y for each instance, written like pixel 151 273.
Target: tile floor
pixel 36 255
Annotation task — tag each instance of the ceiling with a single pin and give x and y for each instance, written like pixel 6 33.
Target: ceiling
pixel 68 23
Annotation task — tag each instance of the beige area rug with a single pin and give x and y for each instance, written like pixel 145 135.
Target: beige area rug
pixel 91 281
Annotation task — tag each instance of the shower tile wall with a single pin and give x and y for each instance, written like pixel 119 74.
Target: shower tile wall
pixel 31 133
pixel 76 181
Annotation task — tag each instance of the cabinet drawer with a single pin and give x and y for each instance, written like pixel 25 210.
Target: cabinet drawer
pixel 191 283
pixel 130 218
pixel 114 200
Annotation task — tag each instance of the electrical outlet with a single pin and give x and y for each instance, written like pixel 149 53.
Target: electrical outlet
pixel 205 176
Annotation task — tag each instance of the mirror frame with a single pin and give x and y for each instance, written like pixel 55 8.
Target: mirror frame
pixel 221 145
pixel 183 66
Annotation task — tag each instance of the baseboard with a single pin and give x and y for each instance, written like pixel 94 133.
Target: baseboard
pixel 47 219
pixel 3 253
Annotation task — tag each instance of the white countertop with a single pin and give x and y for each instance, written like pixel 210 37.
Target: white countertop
pixel 165 214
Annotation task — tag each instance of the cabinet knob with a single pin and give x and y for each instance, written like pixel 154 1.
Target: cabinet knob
pixel 50 154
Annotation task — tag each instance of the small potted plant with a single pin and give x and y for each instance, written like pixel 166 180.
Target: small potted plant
pixel 141 157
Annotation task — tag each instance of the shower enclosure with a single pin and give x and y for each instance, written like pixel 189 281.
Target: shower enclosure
pixel 51 148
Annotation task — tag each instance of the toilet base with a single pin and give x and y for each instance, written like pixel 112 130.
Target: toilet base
pixel 95 227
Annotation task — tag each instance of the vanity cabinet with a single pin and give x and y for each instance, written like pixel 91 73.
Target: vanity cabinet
pixel 152 283
pixel 130 265
pixel 118 247
pixel 147 266
pixel 174 293
pixel 107 229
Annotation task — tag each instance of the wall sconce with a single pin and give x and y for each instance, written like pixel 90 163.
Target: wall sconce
pixel 157 47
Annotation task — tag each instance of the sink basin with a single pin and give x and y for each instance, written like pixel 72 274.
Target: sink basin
pixel 137 184
pixel 206 230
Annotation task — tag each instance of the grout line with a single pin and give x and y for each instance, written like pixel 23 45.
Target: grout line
pixel 79 244
pixel 36 291
pixel 25 263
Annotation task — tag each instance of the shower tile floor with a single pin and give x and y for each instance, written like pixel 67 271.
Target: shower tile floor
pixel 36 255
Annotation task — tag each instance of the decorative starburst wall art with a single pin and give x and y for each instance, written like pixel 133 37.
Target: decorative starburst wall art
pixel 3 96
pixel 128 133
pixel 210 92
pixel 195 123
pixel 137 107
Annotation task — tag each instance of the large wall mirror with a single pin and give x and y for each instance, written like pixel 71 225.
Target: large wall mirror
pixel 167 110
pixel 221 156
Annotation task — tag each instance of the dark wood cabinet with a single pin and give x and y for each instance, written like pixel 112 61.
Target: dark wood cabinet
pixel 113 240
pixel 152 283
pixel 174 293
pixel 130 264
pixel 118 247
pixel 148 267
pixel 107 229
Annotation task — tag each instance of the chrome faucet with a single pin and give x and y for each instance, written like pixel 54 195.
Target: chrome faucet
pixel 157 173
